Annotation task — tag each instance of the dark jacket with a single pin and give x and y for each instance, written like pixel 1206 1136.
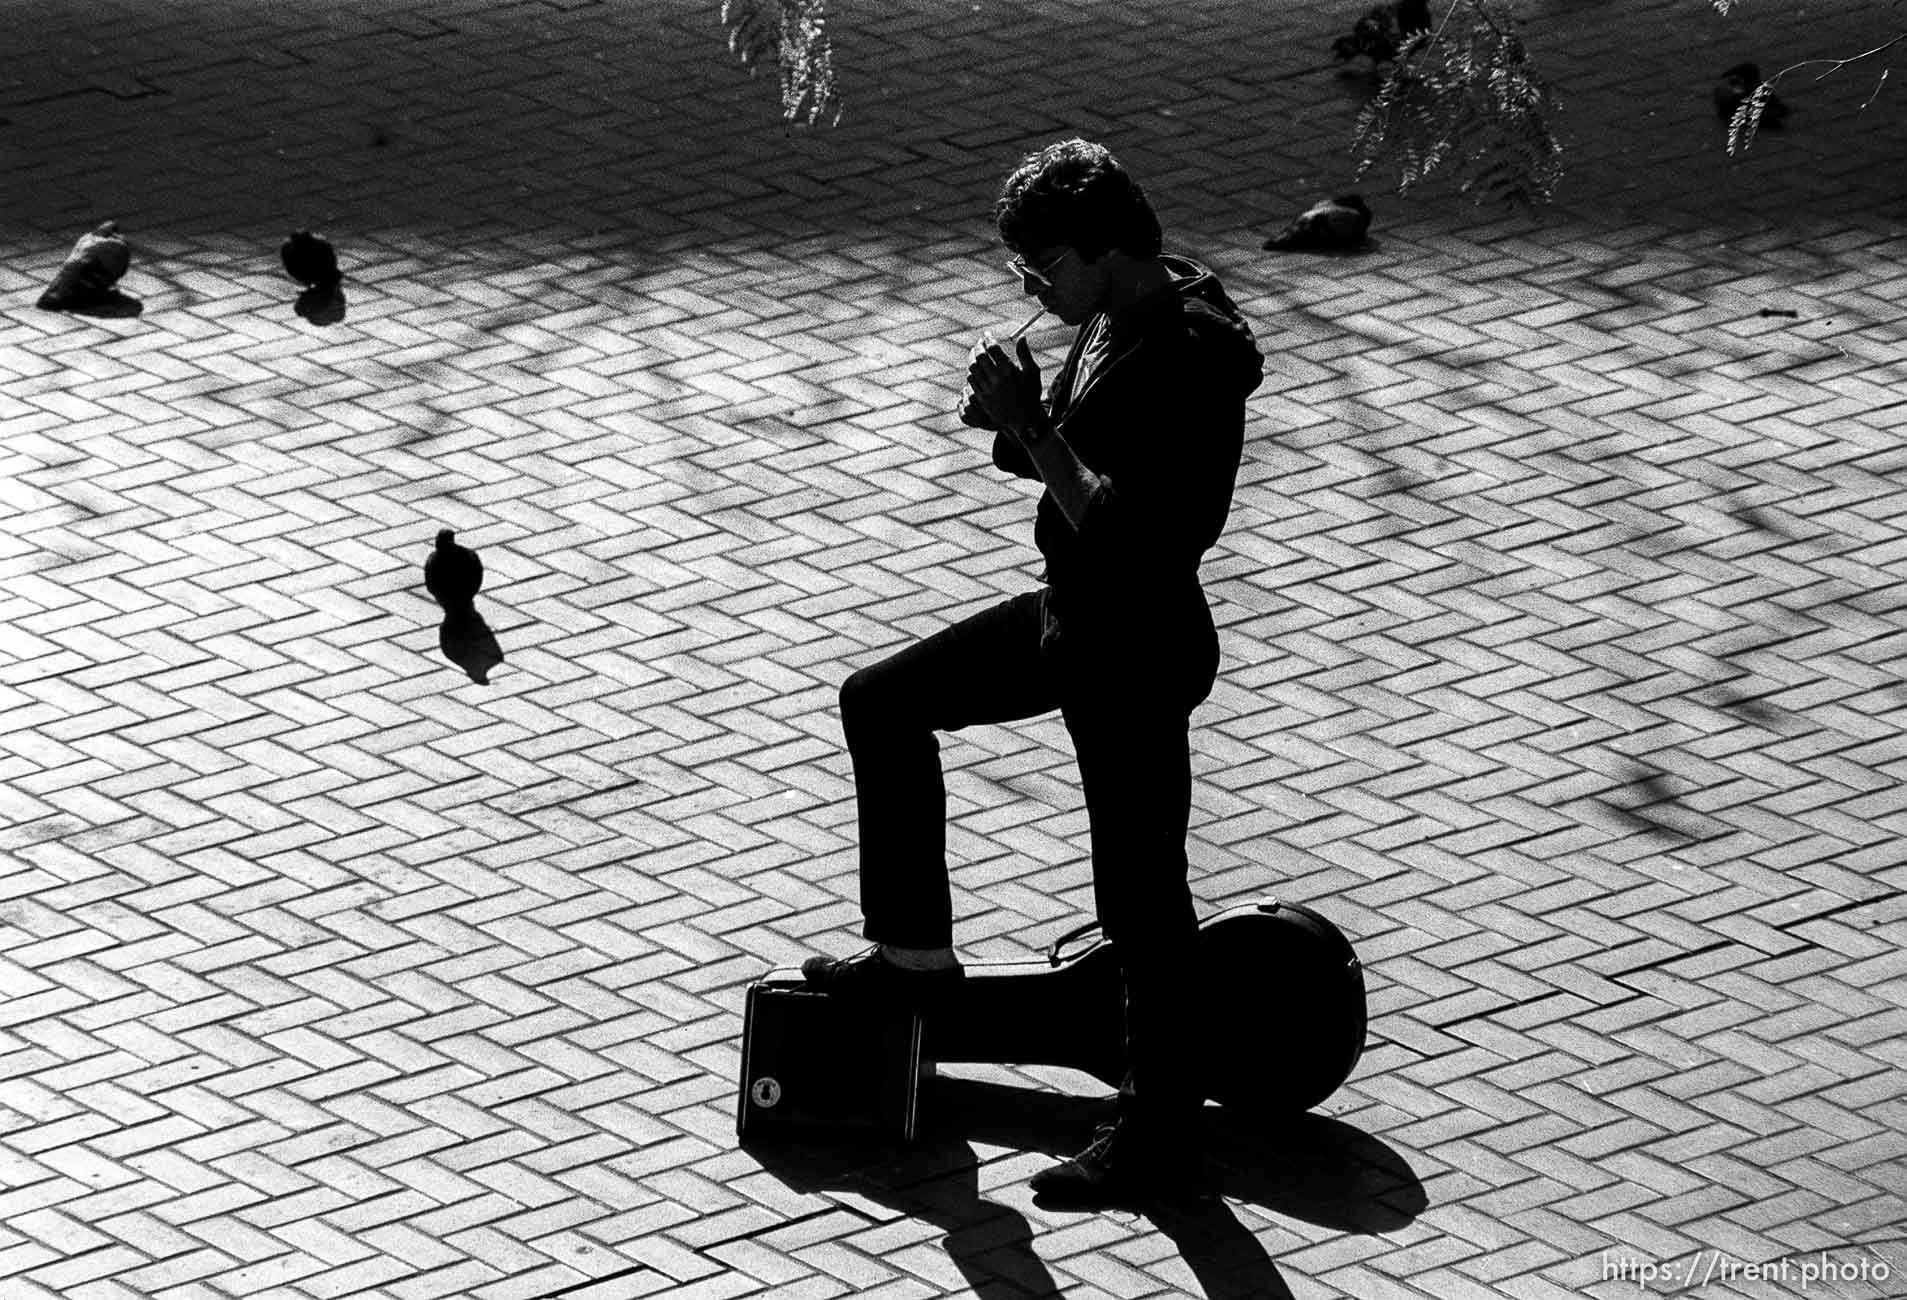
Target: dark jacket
pixel 1161 422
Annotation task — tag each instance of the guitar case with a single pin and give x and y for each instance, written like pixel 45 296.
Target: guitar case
pixel 1286 1009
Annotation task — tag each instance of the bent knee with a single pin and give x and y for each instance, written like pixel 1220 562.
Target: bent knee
pixel 865 708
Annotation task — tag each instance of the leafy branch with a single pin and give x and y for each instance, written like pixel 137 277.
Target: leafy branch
pixel 1747 118
pixel 1462 97
pixel 793 34
pixel 1468 101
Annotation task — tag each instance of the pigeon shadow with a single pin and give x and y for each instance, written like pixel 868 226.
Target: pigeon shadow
pixel 1364 249
pixel 112 305
pixel 935 1180
pixel 321 304
pixel 468 642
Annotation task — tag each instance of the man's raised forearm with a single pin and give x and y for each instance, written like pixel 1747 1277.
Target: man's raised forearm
pixel 1064 474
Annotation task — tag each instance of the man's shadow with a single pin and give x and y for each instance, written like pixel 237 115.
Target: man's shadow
pixel 935 1179
pixel 1304 1166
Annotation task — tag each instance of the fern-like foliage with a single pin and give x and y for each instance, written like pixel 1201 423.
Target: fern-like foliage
pixel 793 34
pixel 1748 118
pixel 1468 102
pixel 1758 106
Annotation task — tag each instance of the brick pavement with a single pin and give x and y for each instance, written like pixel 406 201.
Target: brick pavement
pixel 1561 607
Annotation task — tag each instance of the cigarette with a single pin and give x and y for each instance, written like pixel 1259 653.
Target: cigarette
pixel 1029 325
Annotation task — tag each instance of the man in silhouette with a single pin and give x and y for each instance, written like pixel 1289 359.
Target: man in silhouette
pixel 1137 445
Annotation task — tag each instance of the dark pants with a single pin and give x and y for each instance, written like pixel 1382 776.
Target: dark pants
pixel 1130 736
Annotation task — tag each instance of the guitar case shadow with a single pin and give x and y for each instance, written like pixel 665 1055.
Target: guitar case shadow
pixel 1285 1009
pixel 1307 1167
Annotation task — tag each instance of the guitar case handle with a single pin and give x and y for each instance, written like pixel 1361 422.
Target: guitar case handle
pixel 1053 957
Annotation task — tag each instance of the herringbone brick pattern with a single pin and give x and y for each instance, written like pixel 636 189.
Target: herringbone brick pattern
pixel 1562 607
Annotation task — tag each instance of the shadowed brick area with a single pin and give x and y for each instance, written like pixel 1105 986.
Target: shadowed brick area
pixel 1562 607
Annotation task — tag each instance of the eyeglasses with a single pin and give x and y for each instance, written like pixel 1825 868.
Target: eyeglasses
pixel 1039 278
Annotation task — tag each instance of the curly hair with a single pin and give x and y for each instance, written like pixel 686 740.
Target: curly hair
pixel 1077 194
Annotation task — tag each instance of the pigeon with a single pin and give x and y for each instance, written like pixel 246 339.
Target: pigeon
pixel 1733 90
pixel 1329 226
pixel 453 573
pixel 1382 31
pixel 87 276
pixel 310 260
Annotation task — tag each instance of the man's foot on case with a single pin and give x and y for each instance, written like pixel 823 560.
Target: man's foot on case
pixel 872 976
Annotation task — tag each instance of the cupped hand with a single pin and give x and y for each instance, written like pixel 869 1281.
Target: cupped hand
pixel 1006 386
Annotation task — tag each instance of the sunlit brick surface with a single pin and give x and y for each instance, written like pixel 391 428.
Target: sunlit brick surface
pixel 1562 607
